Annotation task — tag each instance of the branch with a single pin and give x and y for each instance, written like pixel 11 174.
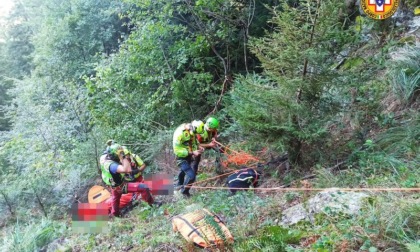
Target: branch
pixel 220 97
pixel 167 62
pixel 311 176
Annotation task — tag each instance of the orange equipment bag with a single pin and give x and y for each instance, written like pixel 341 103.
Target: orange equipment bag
pixel 203 228
pixel 99 194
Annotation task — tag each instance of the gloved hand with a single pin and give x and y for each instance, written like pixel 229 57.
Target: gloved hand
pixel 212 144
pixel 134 172
pixel 128 177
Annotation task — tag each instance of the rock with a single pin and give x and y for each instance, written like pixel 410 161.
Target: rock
pixel 192 207
pixel 58 245
pixel 414 27
pixel 331 200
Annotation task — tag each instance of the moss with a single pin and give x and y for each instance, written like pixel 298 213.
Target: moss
pixel 353 63
pixel 411 40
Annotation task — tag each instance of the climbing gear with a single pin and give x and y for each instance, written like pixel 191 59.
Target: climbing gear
pixel 98 194
pixel 203 228
pixel 212 123
pixel 198 126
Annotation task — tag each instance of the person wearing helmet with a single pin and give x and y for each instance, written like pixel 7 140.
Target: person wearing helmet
pixel 136 164
pixel 207 138
pixel 135 161
pixel 185 147
pixel 113 168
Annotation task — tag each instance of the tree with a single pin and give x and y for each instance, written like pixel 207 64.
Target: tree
pixel 52 143
pixel 177 64
pixel 292 101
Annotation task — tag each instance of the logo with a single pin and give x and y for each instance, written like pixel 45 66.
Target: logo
pixel 379 9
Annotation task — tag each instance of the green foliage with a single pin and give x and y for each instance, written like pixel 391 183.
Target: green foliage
pixel 4 101
pixel 17 58
pixel 271 238
pixel 78 72
pixel 413 247
pixel 404 73
pixel 174 66
pixel 32 236
pixel 402 140
pixel 291 103
pixel 49 140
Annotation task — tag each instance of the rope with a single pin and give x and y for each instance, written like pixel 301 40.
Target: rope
pixel 250 157
pixel 225 174
pixel 238 157
pixel 226 147
pixel 310 189
pixel 201 181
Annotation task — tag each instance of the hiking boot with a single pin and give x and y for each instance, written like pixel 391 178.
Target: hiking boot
pixel 156 204
pixel 186 194
pixel 113 216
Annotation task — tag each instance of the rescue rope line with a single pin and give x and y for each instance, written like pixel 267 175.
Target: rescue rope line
pixel 226 147
pixel 377 189
pixel 311 189
pixel 224 174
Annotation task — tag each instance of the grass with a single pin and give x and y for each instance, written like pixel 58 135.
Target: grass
pixel 404 73
pixel 388 222
pixel 31 236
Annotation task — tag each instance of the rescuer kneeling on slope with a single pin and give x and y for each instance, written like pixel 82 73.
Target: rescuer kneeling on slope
pixel 113 169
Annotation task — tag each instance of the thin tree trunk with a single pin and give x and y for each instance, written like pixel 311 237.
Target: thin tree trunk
pixel 97 157
pixel 9 205
pixel 40 202
pixel 295 142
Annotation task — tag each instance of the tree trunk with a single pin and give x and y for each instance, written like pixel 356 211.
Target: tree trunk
pixel 40 202
pixel 9 205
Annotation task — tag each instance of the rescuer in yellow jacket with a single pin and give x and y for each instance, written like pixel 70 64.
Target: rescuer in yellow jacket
pixel 185 147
